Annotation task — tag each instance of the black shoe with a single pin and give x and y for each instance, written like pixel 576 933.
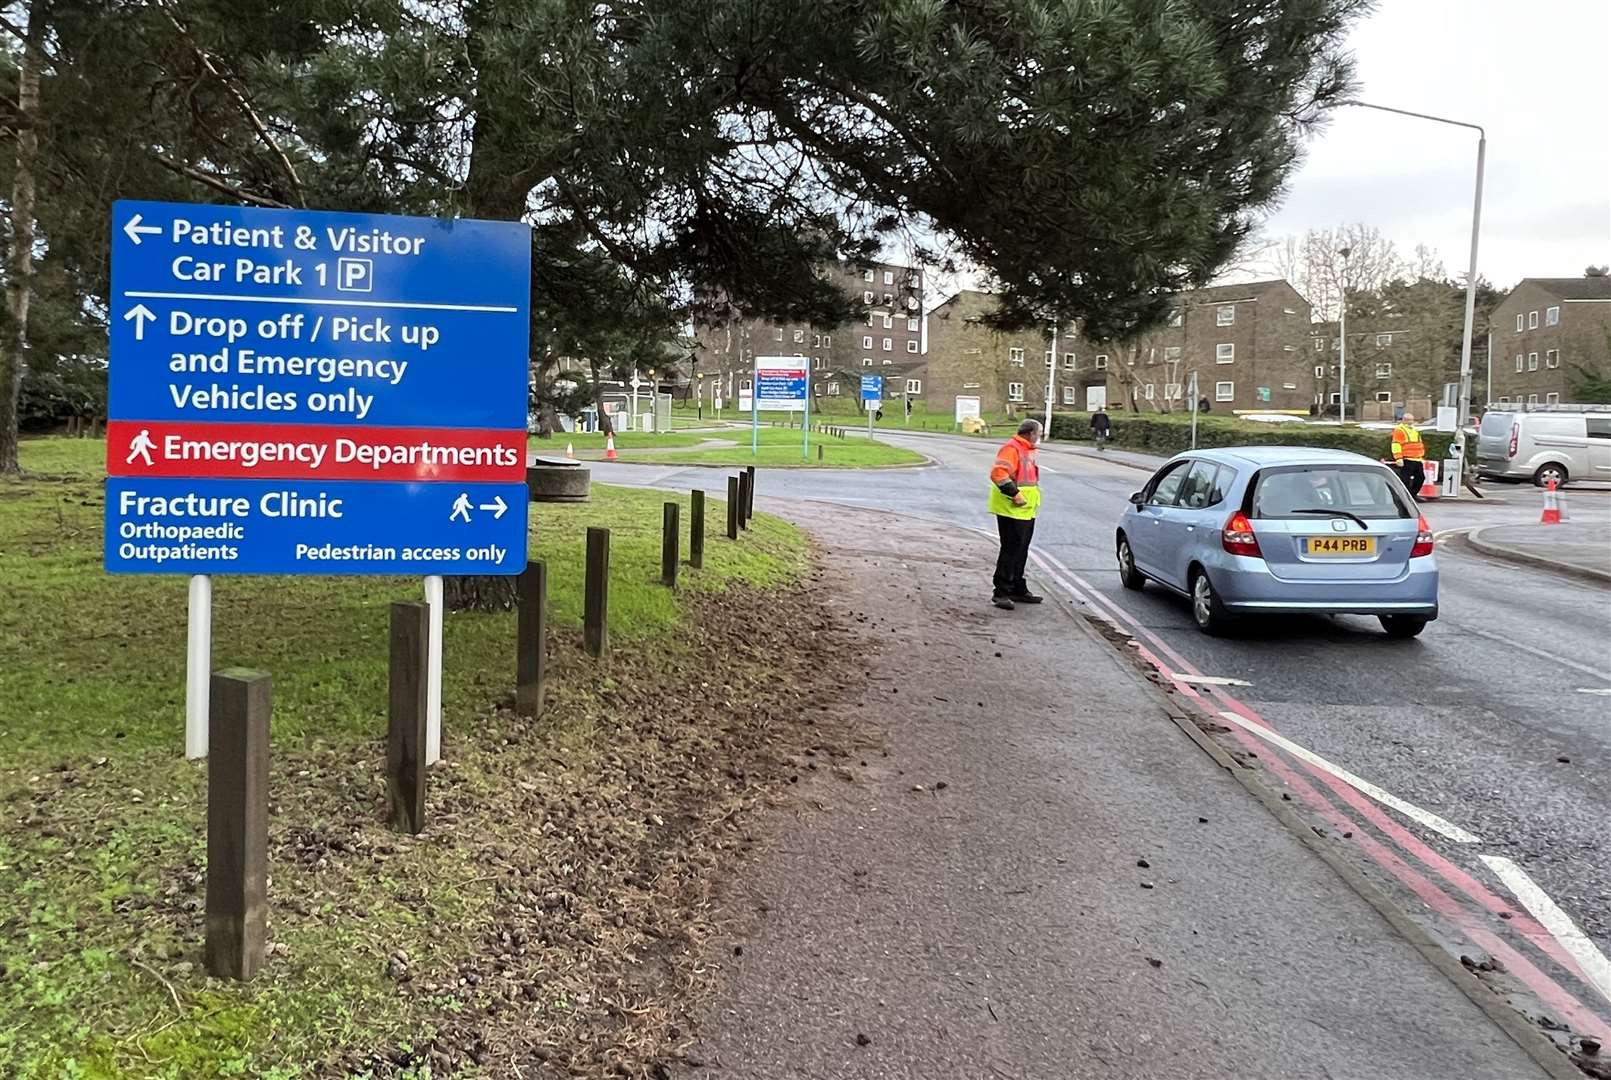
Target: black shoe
pixel 1003 602
pixel 1027 598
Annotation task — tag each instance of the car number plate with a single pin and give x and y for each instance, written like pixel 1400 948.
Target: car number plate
pixel 1339 545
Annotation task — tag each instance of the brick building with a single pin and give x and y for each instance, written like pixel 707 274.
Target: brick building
pixel 1548 334
pixel 1248 344
pixel 887 340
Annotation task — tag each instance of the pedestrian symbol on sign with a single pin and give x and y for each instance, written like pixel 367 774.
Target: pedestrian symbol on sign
pixel 140 447
pixel 461 508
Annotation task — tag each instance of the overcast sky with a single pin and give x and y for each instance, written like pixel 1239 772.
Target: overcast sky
pixel 1535 73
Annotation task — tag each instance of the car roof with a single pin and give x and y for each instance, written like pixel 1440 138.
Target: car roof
pixel 1259 456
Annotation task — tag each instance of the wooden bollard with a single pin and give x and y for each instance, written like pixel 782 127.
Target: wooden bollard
pixel 696 528
pixel 749 492
pixel 670 544
pixel 531 640
pixel 819 451
pixel 743 499
pixel 405 716
pixel 732 508
pixel 237 822
pixel 596 598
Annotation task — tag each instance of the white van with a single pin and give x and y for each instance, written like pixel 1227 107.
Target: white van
pixel 1545 446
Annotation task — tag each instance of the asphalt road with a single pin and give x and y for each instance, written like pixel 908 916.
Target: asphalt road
pixel 1485 723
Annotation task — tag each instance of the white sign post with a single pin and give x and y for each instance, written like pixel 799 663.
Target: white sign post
pixel 198 666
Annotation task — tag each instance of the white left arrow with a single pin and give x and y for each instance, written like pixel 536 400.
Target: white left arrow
pixel 141 315
pixel 133 228
pixel 497 506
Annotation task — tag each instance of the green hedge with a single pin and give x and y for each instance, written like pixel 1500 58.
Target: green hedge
pixel 1170 433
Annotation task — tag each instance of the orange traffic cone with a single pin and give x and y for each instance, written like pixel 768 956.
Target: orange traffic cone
pixel 609 447
pixel 1429 482
pixel 1552 506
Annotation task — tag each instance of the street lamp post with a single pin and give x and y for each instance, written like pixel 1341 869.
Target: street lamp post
pixel 1458 448
pixel 1342 341
pixel 1051 379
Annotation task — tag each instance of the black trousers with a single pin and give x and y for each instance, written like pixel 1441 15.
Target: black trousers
pixel 1015 536
pixel 1414 475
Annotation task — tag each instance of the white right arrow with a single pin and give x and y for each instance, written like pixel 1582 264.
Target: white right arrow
pixel 141 315
pixel 497 506
pixel 133 228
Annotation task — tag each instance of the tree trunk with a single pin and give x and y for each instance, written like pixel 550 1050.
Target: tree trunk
pixel 20 268
pixel 605 425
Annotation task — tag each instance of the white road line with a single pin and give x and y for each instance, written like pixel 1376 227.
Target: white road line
pixel 1596 968
pixel 1409 810
pixel 1594 690
pixel 1208 680
pixel 315 300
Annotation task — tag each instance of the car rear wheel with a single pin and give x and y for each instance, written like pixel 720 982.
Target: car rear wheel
pixel 1402 626
pixel 1549 472
pixel 1129 576
pixel 1206 610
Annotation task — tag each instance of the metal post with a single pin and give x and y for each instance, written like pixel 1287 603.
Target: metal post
pixel 1192 392
pixel 1488 383
pixel 433 673
pixel 1458 447
pixel 1342 347
pixel 198 666
pixel 1051 384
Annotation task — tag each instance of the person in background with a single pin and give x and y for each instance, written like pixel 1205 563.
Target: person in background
pixel 1101 426
pixel 1409 455
pixel 1014 499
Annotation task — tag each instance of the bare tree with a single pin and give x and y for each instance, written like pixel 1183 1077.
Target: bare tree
pixel 1315 265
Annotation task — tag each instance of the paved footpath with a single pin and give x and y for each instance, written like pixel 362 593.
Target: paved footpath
pixel 975 904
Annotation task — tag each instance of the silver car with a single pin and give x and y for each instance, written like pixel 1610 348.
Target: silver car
pixel 1272 529
pixel 1544 446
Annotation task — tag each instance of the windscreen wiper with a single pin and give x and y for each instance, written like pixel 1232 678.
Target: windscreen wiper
pixel 1333 513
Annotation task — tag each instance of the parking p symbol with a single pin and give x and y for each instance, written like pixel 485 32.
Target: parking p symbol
pixel 355 275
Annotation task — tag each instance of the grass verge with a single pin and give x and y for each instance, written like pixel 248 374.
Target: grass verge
pixel 781 447
pixel 544 919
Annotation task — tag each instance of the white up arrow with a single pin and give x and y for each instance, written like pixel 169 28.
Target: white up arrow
pixel 497 506
pixel 134 229
pixel 141 315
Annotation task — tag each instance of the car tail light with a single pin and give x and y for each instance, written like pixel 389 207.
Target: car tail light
pixel 1238 538
pixel 1515 434
pixel 1423 539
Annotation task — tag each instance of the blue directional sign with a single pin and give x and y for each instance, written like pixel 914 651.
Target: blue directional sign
pixel 872 387
pixel 372 364
pixel 185 526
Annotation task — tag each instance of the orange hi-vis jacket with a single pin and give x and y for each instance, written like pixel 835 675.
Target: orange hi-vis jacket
pixel 1407 443
pixel 1015 473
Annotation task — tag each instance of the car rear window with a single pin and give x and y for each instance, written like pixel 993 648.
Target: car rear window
pixel 1361 490
pixel 1496 424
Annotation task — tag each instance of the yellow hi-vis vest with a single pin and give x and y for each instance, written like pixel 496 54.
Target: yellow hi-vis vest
pixel 1407 444
pixel 1015 459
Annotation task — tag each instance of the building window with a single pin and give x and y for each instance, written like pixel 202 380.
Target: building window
pixel 1224 391
pixel 911 326
pixel 867 275
pixel 1384 395
pixel 866 361
pixel 1532 399
pixel 1335 397
pixel 1552 316
pixel 1532 361
pixel 1225 315
pixel 1532 320
pixel 1017 357
pixel 1172 391
pixel 1171 352
pixel 889 360
pixel 1015 391
pixel 1148 390
pixel 867 341
pixel 744 385
pixel 799 337
pixel 1049 358
pixel 1519 361
pixel 911 302
pixel 1320 371
pixel 1384 339
pixel 914 386
pixel 1176 318
pixel 816 363
pixel 1518 322
pixel 867 298
pixel 889 343
pixel 889 298
pixel 889 277
pixel 827 341
pixel 833 388
pixel 1289 386
pixel 1320 346
pixel 1224 353
pixel 1552 358
pixel 816 340
pixel 1101 362
pixel 1068 361
pixel 778 333
pixel 1552 399
pixel 889 322
pixel 1384 371
pixel 1068 395
pixel 911 346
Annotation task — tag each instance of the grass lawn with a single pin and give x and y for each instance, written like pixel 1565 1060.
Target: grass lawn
pixel 780 447
pixel 102 822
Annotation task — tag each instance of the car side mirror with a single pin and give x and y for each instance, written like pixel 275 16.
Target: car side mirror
pixel 1135 498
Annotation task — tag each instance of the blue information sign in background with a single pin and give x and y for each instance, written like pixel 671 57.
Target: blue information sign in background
pixel 872 387
pixel 166 526
pixel 247 315
pixel 242 336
